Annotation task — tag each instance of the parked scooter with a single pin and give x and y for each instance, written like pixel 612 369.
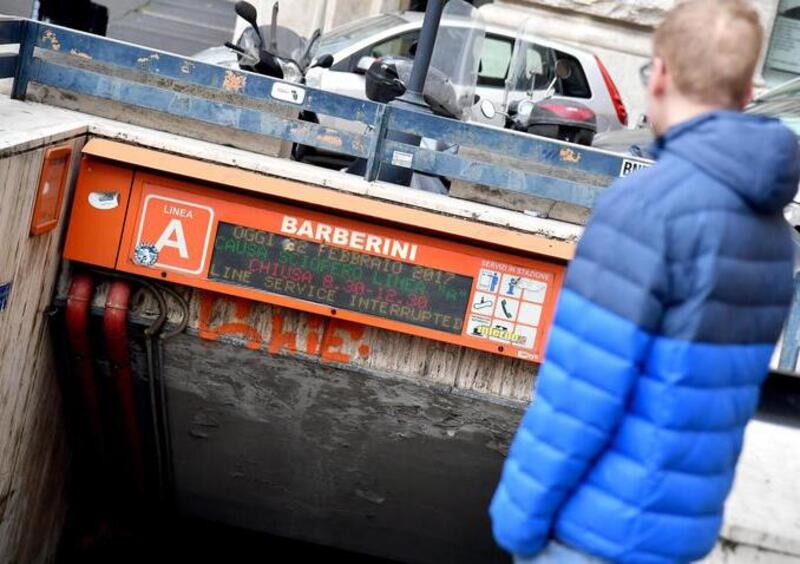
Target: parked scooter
pixel 530 109
pixel 286 55
pixel 272 50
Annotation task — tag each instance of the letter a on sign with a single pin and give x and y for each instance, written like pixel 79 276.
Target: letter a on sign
pixel 173 237
pixel 179 230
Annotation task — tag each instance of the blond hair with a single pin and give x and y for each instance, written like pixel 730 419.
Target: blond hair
pixel 711 48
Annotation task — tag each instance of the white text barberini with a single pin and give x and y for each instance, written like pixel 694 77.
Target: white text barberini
pixel 342 237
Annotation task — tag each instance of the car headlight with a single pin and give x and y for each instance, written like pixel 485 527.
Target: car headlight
pixel 291 72
pixel 314 77
pixel 525 108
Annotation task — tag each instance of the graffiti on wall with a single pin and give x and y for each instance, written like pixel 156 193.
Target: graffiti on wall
pixel 330 339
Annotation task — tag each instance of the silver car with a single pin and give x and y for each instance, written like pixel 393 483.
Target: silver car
pixel 355 45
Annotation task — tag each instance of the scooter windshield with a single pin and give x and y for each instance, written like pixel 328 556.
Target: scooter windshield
pixel 531 68
pixel 456 57
pixel 289 44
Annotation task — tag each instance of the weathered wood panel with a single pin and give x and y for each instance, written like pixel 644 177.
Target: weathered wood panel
pixel 33 453
pixel 279 331
pixel 148 118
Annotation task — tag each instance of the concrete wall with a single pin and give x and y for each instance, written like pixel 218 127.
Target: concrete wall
pixel 332 455
pixel 33 450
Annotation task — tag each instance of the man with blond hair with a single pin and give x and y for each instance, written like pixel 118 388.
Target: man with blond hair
pixel 667 320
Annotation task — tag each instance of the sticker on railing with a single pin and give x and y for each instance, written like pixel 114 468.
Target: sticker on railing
pixel 288 93
pixel 399 158
pixel 629 167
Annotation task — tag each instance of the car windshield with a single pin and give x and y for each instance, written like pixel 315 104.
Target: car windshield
pixel 351 33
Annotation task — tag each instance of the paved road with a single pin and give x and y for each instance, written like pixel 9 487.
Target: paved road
pixel 178 26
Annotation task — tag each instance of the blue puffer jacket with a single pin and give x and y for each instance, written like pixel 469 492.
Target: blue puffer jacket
pixel 662 338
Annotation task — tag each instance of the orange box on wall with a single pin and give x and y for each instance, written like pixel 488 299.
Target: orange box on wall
pixel 319 262
pixel 98 212
pixel 50 192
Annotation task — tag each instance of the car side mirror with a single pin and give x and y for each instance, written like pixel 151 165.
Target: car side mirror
pixel 323 61
pixel 364 63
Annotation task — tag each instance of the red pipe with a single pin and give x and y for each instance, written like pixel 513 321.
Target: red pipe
pixel 79 301
pixel 115 329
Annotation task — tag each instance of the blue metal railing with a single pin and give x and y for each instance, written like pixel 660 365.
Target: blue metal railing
pixel 103 68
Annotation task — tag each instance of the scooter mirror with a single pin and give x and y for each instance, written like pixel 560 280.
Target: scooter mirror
pixel 273 29
pixel 247 12
pixel 487 109
pixel 563 69
pixel 324 61
pixel 305 59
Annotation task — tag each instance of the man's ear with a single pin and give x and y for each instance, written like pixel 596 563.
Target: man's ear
pixel 659 79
